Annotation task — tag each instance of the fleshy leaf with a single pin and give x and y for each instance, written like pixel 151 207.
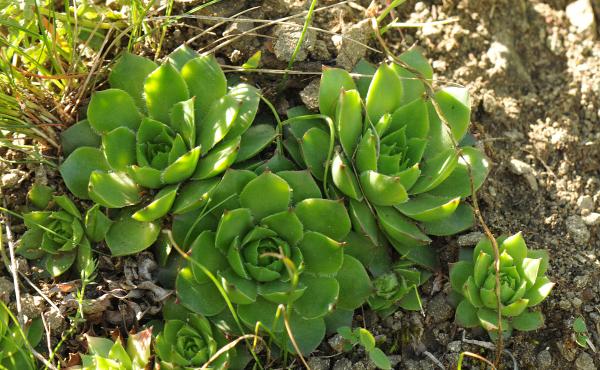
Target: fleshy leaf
pixel 344 178
pixel 399 227
pixel 218 160
pixel 363 220
pixel 539 291
pixel 204 298
pixel 385 93
pixel 96 224
pixel 319 298
pixel 206 254
pixel 325 216
pixel 308 334
pixel 459 273
pixel 456 107
pixel 182 121
pixel 435 170
pixel 233 223
pixel 127 236
pixel 163 88
pixel 249 97
pixel 40 195
pixel 462 219
pixel 355 285
pixel 458 183
pixel 515 246
pixel 261 311
pixel 528 321
pixel 366 152
pixel 315 145
pixel 216 123
pixel 428 208
pixel 113 189
pixel 78 135
pixel 160 206
pixel 257 138
pixel 333 81
pixel 119 147
pixel 253 195
pixel 414 116
pixel 286 224
pixel 181 55
pixel 78 167
pixel 206 81
pixel 322 255
pixel 112 108
pixel 193 195
pixel 466 314
pixel 129 74
pixel 302 183
pixel 349 121
pixel 382 190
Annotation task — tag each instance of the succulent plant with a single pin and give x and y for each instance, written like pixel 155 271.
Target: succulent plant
pixel 398 288
pixel 390 153
pixel 523 284
pixel 158 126
pixel 190 343
pixel 104 354
pixel 278 243
pixel 61 236
pixel 14 353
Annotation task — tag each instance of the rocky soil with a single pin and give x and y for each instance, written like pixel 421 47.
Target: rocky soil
pixel 533 70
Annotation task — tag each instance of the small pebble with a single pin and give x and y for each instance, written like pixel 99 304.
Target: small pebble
pixel 336 343
pixel 592 219
pixel 470 239
pixel 6 289
pixel 32 305
pixel 455 346
pixel 585 362
pixel 585 204
pixel 576 302
pixel 544 360
pixel 578 230
pixel 319 363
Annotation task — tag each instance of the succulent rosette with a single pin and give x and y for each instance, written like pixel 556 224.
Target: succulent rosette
pixel 158 126
pixel 189 344
pixel 277 243
pixel 104 354
pixel 59 235
pixel 523 285
pixel 398 289
pixel 388 151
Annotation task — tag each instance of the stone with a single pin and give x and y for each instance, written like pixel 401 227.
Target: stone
pixel 287 38
pixel 470 239
pixel 544 360
pixel 592 219
pixel 576 302
pixel 521 168
pixel 352 46
pixel 319 363
pixel 6 289
pixel 336 343
pixel 32 305
pixel 581 16
pixel 394 360
pixel 577 229
pixel 10 180
pixel 585 362
pixel 455 346
pixel 55 321
pixel 310 95
pixel 343 364
pixel 439 310
pixel 585 204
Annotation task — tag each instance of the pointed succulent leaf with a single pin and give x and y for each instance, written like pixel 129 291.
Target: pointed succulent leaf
pixel 489 320
pixel 399 227
pixel 466 314
pixel 322 255
pixel 96 224
pixel 206 81
pixel 366 339
pixel 216 123
pixel 515 246
pixel 382 190
pixel 366 153
pixel 78 167
pixel 283 292
pixel 193 195
pixel 252 196
pixel 428 208
pixel 182 121
pixel 308 333
pixel 277 163
pixel 217 160
pixel 462 219
pixel 163 88
pixel 113 189
pixel 78 135
pixel 543 255
pixel 435 170
pixel 481 269
pixel 413 87
pixel 315 146
pixel 319 297
pixel 459 273
pixel 261 311
pixel 57 264
pixel 385 93
pixel 67 205
pixel 249 98
pixel 129 74
pixel 458 183
pixel 414 116
pixel 348 120
pixel 127 236
pixel 146 176
pixel 328 217
pixel 333 82
pixel 203 298
pixel 40 195
pixel 528 321
pixel 160 206
pixel 344 178
pixel 254 140
pixel 233 223
pixel 302 183
pixel 112 108
pixel 363 220
pixel 205 253
pixel 286 224
pixel 355 285
pixel 226 194
pixel 239 290
pixel 380 359
pixel 516 308
pixel 368 70
pixel 181 55
pixel 119 147
pixel 539 291
pixel 528 270
pixel 456 107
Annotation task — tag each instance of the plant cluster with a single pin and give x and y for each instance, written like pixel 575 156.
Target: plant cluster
pixel 15 341
pixel 284 228
pixel 364 338
pixel 522 280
